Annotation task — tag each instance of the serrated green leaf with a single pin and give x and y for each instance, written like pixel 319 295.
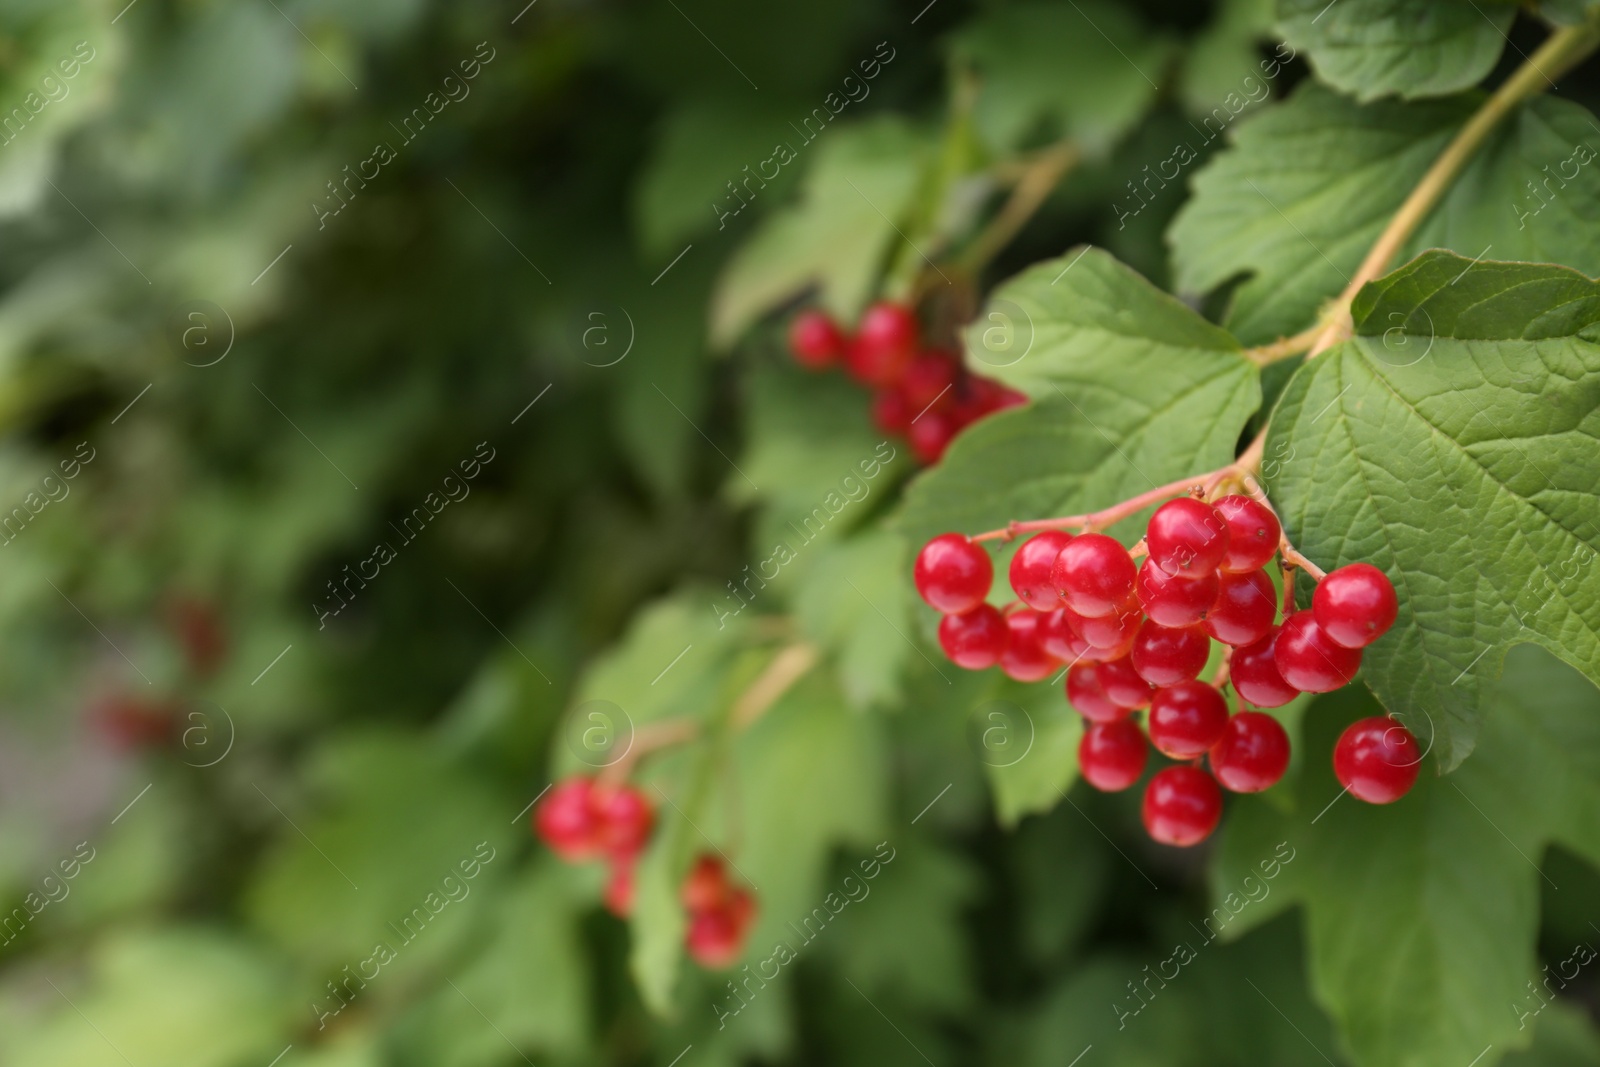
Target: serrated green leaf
pixel 1422 915
pixel 1308 184
pixel 1223 58
pixel 1408 48
pixel 1452 443
pixel 1132 390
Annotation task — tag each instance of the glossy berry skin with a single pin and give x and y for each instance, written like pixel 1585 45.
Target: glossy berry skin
pixel 1113 631
pixel 1245 608
pixel 1024 658
pixel 953 574
pixel 1030 569
pixel 1094 574
pixel 1112 755
pixel 815 340
pixel 1254 674
pixel 1175 601
pixel 974 639
pixel 891 412
pixel 623 819
pixel 884 345
pixel 1182 805
pixel 618 895
pixel 1123 684
pixel 1187 719
pixel 1377 760
pixel 1253 533
pixel 1167 655
pixel 930 379
pixel 1252 754
pixel 930 434
pixel 1088 697
pixel 1058 635
pixel 1309 660
pixel 565 820
pixel 1187 538
pixel 1355 605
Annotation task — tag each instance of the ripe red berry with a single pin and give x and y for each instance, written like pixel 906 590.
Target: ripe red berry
pixel 1094 574
pixel 1024 657
pixel 974 639
pixel 890 411
pixel 715 938
pixel 619 889
pixel 930 379
pixel 1088 697
pixel 566 820
pixel 1187 538
pixel 1182 805
pixel 1253 533
pixel 623 817
pixel 1355 605
pixel 1244 609
pixel 1309 660
pixel 1030 569
pixel 953 574
pixel 1187 719
pixel 1254 674
pixel 930 434
pixel 1377 759
pixel 1253 753
pixel 815 340
pixel 706 885
pixel 1167 655
pixel 1123 684
pixel 884 344
pixel 1112 755
pixel 1113 631
pixel 1058 635
pixel 1175 601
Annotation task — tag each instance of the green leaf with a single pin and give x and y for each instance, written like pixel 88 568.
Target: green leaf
pixel 1309 184
pixel 1049 71
pixel 851 602
pixel 1422 915
pixel 862 179
pixel 1409 48
pixel 1452 444
pixel 1026 738
pixel 1223 57
pixel 1131 389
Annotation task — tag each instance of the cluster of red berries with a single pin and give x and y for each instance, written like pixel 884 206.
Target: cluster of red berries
pixel 720 913
pixel 1137 636
pixel 923 393
pixel 583 819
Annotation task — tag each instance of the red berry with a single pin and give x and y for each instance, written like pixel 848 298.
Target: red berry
pixel 953 574
pixel 885 342
pixel 715 938
pixel 1175 601
pixel 930 378
pixel 623 819
pixel 1094 574
pixel 1253 753
pixel 1024 658
pixel 815 340
pixel 567 821
pixel 1355 605
pixel 1167 655
pixel 1182 805
pixel 930 434
pixel 1377 760
pixel 890 411
pixel 1113 631
pixel 1254 673
pixel 1123 684
pixel 619 889
pixel 131 722
pixel 706 887
pixel 1309 660
pixel 1030 569
pixel 1088 697
pixel 1112 754
pixel 1244 609
pixel 1187 719
pixel 974 639
pixel 1186 538
pixel 1058 635
pixel 1253 533
pixel 201 633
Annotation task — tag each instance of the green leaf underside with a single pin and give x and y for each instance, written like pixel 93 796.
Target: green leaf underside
pixel 1131 390
pixel 1306 187
pixel 1453 443
pixel 1409 48
pixel 1422 915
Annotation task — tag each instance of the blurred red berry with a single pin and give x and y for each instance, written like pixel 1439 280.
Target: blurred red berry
pixel 565 820
pixel 815 339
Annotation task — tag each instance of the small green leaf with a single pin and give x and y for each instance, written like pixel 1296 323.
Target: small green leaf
pixel 1027 738
pixel 851 602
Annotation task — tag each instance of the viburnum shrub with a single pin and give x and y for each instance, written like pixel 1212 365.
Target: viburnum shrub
pixel 1133 630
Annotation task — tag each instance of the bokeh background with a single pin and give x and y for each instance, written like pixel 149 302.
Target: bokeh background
pixel 275 274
